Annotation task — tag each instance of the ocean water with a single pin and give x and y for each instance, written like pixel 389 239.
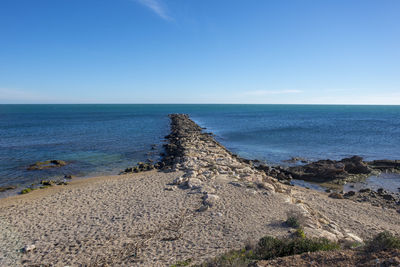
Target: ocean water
pixel 104 139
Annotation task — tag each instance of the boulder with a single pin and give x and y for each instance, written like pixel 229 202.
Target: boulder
pixel 355 165
pixel 328 170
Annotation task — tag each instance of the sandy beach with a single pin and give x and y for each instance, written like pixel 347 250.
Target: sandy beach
pixel 132 220
pixel 205 201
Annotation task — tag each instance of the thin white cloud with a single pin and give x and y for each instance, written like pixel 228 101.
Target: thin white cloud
pixel 157 7
pixel 271 92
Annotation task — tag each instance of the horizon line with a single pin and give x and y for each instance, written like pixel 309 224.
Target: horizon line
pixel 304 104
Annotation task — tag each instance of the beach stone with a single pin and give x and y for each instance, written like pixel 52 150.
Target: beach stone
pixel 210 200
pixel 266 186
pixel 180 180
pixel 194 183
pixel 28 248
pixel 353 238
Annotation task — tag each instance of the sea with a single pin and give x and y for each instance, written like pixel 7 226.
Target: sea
pixel 102 139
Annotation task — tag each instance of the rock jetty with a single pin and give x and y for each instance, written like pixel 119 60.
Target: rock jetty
pixel 204 160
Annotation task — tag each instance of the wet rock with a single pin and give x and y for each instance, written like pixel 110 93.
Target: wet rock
pixel 7 187
pixel 328 170
pixel 349 194
pixel 388 197
pixel 385 164
pixel 47 182
pixel 41 165
pixel 364 190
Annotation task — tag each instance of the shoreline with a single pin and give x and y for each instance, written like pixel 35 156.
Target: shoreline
pixel 202 202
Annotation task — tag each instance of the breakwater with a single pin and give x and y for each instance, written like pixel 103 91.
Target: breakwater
pixel 203 159
pixel 205 162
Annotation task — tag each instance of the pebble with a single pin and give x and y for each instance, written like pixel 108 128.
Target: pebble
pixel 28 248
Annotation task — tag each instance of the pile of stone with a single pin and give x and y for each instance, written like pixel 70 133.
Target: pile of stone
pixel 203 159
pixel 141 167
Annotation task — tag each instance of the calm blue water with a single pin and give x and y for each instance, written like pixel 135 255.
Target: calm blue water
pixel 107 138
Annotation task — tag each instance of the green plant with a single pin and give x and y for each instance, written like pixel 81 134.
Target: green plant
pixel 293 222
pixel 26 190
pixel 383 241
pixel 270 247
pixel 295 219
pixel 300 233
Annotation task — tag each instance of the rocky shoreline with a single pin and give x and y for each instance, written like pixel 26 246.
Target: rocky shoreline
pixel 204 161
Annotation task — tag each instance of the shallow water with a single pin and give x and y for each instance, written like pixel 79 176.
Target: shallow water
pixel 388 181
pixel 104 139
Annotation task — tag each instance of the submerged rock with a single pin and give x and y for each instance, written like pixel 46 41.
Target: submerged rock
pixel 7 187
pixel 41 165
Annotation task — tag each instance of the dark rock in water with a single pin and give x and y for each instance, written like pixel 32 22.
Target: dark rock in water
pixel 385 164
pixel 365 190
pixel 140 168
pixel 7 187
pixel 336 195
pixel 381 191
pixel 41 165
pixel 349 194
pixel 47 182
pixel 355 165
pixel 328 170
pixel 69 176
pixel 388 197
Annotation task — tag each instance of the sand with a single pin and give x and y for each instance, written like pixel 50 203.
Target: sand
pixel 140 220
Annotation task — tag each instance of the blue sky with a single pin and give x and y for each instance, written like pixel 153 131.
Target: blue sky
pixel 200 51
